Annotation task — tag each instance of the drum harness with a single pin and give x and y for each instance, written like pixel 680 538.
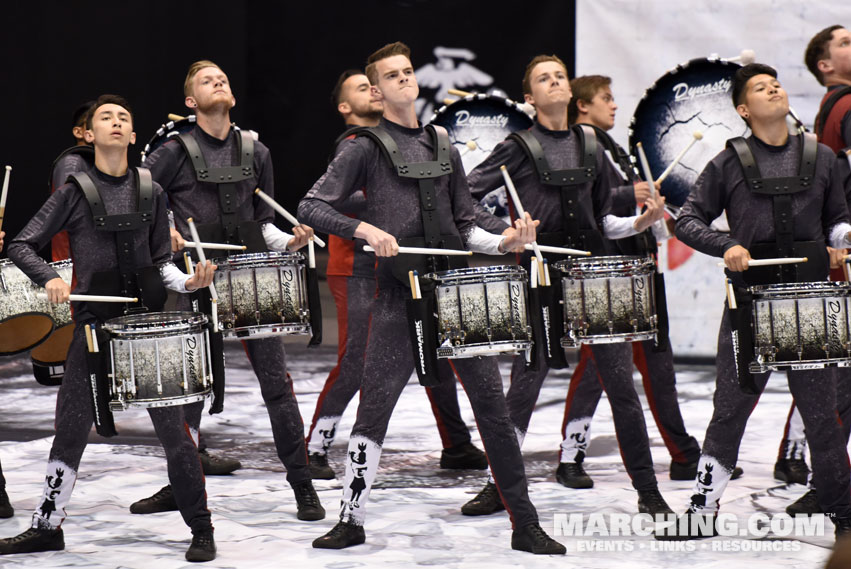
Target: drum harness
pixel 781 190
pixel 827 107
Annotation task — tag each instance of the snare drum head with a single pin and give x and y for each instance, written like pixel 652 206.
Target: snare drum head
pixel 626 264
pixel 483 119
pixel 789 290
pixel 694 96
pixel 155 323
pixel 165 132
pixel 504 272
pixel 268 259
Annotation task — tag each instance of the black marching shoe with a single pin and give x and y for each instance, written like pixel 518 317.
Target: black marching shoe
pixel 683 470
pixel 737 473
pixel 309 507
pixel 572 475
pixel 341 536
pixel 841 528
pixel 791 470
pixel 202 548
pixel 651 502
pixel 534 539
pixel 162 501
pixel 34 540
pixel 465 456
pixel 216 465
pixel 6 509
pixel 688 526
pixel 806 505
pixel 485 503
pixel 319 469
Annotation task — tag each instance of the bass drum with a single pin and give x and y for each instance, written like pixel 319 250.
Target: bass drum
pixel 482 121
pixel 694 96
pixel 165 132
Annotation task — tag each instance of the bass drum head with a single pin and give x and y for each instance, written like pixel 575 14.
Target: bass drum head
pixel 695 96
pixel 22 332
pixel 483 119
pixel 48 358
pixel 165 132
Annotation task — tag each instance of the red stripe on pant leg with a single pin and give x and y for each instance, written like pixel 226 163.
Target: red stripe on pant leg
pixel 639 358
pixel 445 441
pixel 575 380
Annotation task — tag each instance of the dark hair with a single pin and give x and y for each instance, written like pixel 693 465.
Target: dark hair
pixel 338 88
pixel 584 89
pixel 80 114
pixel 744 74
pixel 819 49
pixel 527 75
pixel 108 100
pixel 389 50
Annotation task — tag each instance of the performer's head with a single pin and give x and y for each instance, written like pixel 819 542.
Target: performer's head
pixel 354 100
pixel 109 124
pixel 758 95
pixel 545 83
pixel 207 89
pixel 592 102
pixel 78 122
pixel 391 74
pixel 828 56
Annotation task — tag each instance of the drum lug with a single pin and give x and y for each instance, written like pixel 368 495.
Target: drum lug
pixel 611 327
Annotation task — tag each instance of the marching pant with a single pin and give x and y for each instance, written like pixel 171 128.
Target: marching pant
pixel 74 419
pixel 815 394
pixel 660 387
pixel 388 366
pixel 354 297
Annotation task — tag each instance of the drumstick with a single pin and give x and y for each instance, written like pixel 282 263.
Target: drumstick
pixel 696 136
pixel 4 194
pixel 425 251
pixel 95 339
pixel 174 117
pixel 413 283
pixel 731 295
pixel 470 146
pixel 458 92
pixel 89 338
pixel 311 255
pixel 745 57
pixel 547 273
pixel 846 269
pixel 777 261
pixel 213 294
pixel 91 298
pixel 645 165
pixel 417 291
pixel 533 273
pixel 558 250
pixel 190 270
pixel 286 215
pixel 521 213
pixel 848 155
pixel 449 101
pixel 221 246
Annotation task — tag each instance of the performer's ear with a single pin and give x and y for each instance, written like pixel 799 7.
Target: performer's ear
pixel 190 102
pixel 132 138
pixel 88 136
pixel 376 92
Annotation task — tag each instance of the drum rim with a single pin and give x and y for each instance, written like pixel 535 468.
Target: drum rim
pixel 163 131
pixel 443 277
pixel 184 321
pixel 268 258
pixel 606 264
pixel 791 290
pixel 472 97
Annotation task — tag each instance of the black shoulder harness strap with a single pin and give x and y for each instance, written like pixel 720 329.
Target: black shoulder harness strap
pixel 781 189
pixel 350 132
pixel 124 221
pixel 87 152
pixel 424 172
pixel 224 178
pixel 828 105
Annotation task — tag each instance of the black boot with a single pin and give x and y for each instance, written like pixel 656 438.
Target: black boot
pixel 572 475
pixel 534 539
pixel 683 470
pixel 319 469
pixel 841 527
pixel 34 540
pixel 341 536
pixel 651 502
pixel 216 465
pixel 485 503
pixel 162 501
pixel 791 470
pixel 463 456
pixel 6 509
pixel 309 507
pixel 805 505
pixel 203 547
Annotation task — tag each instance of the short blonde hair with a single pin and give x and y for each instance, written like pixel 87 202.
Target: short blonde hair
pixel 193 71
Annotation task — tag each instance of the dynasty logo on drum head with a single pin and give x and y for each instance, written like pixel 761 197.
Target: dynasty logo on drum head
pixel 683 91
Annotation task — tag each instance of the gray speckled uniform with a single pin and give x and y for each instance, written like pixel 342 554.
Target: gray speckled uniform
pixel 721 187
pixel 393 205
pixel 189 198
pixel 94 251
pixel 614 361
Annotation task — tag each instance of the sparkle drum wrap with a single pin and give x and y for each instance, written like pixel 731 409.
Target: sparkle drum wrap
pixel 26 321
pixel 158 359
pixel 482 311
pixel 801 326
pixel 608 300
pixel 262 294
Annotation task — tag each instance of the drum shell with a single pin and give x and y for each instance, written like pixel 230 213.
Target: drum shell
pixel 608 300
pixel 482 311
pixel 262 294
pixel 159 359
pixel 802 325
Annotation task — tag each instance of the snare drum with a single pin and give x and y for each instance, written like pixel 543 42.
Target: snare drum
pixel 801 326
pixel 262 294
pixel 159 359
pixel 608 300
pixel 26 321
pixel 482 311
